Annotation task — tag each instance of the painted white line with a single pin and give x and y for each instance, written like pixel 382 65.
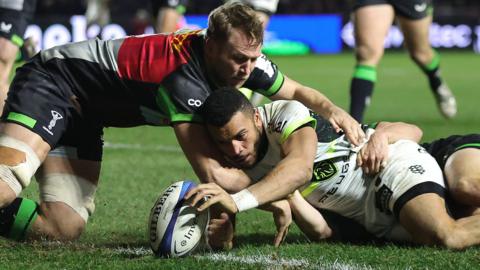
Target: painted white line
pixel 137 251
pixel 268 261
pixel 281 263
pixel 261 259
pixel 164 148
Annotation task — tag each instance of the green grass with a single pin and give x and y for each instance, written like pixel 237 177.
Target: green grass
pixel 131 179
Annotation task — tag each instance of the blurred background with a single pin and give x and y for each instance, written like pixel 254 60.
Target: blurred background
pixel 298 27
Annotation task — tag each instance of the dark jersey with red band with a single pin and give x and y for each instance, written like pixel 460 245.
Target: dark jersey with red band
pixel 151 79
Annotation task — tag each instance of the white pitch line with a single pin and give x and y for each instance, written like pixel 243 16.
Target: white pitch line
pixel 261 259
pixel 159 147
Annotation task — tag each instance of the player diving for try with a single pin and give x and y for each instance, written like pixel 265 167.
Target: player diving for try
pixel 283 147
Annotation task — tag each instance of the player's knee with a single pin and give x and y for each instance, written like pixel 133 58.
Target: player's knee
pixel 65 231
pixel 421 56
pixel 454 240
pixel 369 54
pixel 18 163
pixel 466 188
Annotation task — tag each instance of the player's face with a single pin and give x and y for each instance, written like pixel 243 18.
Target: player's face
pixel 230 63
pixel 239 139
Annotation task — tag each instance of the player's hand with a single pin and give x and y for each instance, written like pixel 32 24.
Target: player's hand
pixel 215 194
pixel 282 217
pixel 341 120
pixel 373 156
pixel 220 232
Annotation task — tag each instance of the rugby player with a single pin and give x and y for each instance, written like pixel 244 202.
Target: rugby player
pixel 284 147
pixel 14 18
pixel 372 20
pixel 60 101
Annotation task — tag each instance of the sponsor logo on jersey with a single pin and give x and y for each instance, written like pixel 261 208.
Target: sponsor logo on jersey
pixel 417 169
pixel 5 27
pixel 55 117
pixel 339 181
pixel 194 102
pixel 276 126
pixel 420 7
pixel 324 170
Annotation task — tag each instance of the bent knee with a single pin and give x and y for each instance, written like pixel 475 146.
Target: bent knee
pixel 466 190
pixel 368 54
pixel 60 222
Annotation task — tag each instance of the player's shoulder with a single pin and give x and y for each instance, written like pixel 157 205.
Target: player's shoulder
pixel 286 107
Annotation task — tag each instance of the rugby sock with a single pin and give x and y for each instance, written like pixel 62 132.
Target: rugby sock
pixel 432 70
pixel 16 218
pixel 361 89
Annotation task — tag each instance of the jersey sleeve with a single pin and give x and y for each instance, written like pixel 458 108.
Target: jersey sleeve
pixel 265 77
pixel 181 95
pixel 288 116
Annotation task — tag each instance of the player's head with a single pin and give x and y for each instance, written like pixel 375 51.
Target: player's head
pixel 234 125
pixel 233 43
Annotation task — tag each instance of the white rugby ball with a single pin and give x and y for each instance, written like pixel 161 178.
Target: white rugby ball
pixel 175 228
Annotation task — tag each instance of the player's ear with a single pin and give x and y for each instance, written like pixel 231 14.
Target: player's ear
pixel 211 46
pixel 256 119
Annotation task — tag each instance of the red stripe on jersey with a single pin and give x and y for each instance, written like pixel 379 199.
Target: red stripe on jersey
pixel 151 58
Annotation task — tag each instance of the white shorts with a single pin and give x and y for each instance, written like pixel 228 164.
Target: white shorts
pixel 410 171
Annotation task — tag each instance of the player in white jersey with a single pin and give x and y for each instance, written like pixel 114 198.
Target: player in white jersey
pixel 403 202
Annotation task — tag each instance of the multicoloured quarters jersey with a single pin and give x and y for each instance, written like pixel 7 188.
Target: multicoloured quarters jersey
pixel 138 80
pixel 150 79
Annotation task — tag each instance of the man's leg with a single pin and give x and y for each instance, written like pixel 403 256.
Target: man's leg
pixel 462 175
pixel 371 26
pixel 418 45
pixel 425 217
pixel 8 54
pixel 21 152
pixel 67 189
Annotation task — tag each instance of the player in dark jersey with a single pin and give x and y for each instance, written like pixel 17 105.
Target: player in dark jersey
pixel 372 20
pixel 61 100
pixel 459 156
pixel 14 18
pixel 167 14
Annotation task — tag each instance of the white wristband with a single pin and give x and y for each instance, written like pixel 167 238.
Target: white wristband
pixel 244 200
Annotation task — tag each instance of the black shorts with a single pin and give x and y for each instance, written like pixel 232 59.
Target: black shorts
pixel 15 15
pixel 442 149
pixel 36 102
pixel 179 5
pixel 411 9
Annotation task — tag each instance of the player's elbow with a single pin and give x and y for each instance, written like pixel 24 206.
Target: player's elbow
pixel 306 175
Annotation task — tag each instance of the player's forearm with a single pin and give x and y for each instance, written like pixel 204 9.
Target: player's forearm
pixel 231 179
pixel 289 175
pixel 314 100
pixel 395 131
pixel 309 219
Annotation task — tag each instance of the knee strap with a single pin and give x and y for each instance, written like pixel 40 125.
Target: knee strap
pixel 17 176
pixel 75 191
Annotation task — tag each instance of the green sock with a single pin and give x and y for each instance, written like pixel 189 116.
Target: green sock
pixel 361 89
pixel 17 217
pixel 432 70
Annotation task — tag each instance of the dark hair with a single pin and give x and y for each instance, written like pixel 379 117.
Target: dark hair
pixel 235 15
pixel 222 104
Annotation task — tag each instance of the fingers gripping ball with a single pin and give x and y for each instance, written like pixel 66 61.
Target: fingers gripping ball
pixel 175 228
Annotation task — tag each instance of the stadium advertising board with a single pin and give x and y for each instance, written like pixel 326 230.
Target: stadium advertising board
pixel 286 34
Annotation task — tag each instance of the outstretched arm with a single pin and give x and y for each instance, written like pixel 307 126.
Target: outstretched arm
pixel 309 219
pixel 318 102
pixel 205 158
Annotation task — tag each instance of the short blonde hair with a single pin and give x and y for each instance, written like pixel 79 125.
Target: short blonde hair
pixel 231 15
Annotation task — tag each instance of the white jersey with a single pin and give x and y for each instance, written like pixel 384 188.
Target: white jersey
pixel 338 184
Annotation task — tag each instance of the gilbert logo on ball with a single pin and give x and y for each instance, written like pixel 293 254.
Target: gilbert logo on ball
pixel 175 228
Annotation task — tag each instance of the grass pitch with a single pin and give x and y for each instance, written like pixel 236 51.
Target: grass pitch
pixel 139 163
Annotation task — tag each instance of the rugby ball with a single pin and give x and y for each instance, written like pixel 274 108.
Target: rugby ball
pixel 175 228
